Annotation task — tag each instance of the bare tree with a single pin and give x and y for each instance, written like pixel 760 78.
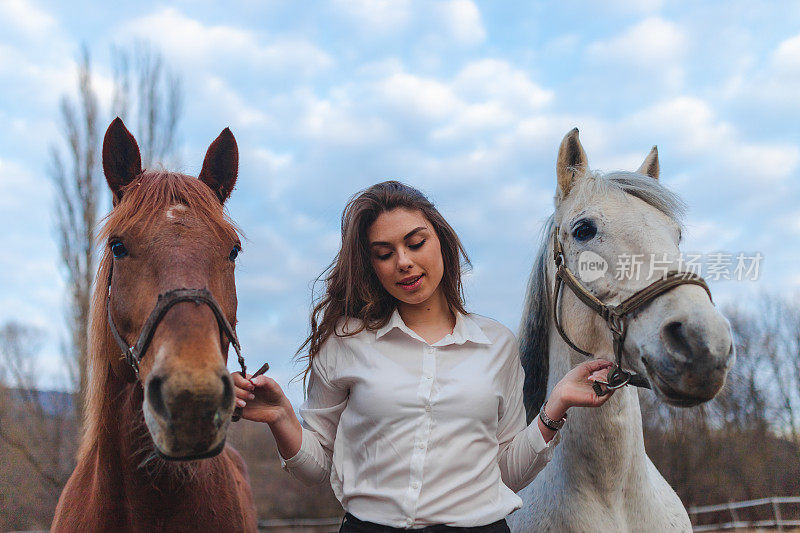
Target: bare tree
pixel 23 421
pixel 76 203
pixel 37 434
pixel 777 331
pixel 158 103
pixel 155 98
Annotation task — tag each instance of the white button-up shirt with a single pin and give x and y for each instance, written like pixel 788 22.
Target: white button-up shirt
pixel 413 434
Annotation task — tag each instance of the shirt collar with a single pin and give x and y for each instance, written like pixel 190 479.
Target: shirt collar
pixel 465 330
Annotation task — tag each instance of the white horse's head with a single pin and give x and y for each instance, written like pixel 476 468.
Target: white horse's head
pixel 620 232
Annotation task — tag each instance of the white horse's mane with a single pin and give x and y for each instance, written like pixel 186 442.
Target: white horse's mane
pixel 533 337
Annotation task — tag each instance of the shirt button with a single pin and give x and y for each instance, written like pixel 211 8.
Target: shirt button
pixel 409 521
pixel 428 377
pixel 420 445
pixel 415 485
pixel 428 408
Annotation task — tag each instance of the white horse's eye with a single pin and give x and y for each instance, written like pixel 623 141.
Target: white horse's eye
pixel 584 230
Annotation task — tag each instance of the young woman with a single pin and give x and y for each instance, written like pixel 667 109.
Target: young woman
pixel 414 407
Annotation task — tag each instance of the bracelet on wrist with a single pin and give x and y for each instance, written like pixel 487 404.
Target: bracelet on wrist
pixel 555 425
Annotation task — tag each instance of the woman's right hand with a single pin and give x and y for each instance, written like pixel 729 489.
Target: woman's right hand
pixel 261 399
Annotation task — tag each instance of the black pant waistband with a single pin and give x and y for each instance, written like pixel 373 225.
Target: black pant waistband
pixel 352 524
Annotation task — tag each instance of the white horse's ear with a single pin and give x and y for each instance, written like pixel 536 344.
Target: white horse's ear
pixel 650 167
pixel 572 163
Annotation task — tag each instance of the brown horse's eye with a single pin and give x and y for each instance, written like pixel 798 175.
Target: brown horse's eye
pixel 234 253
pixel 119 250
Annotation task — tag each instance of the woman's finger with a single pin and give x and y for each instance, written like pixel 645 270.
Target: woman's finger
pixel 596 364
pixel 601 374
pixel 244 394
pixel 262 382
pixel 241 382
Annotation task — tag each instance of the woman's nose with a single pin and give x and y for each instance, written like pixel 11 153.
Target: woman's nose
pixel 404 262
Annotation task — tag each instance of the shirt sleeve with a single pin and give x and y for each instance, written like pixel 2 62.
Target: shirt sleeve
pixel 320 413
pixel 523 450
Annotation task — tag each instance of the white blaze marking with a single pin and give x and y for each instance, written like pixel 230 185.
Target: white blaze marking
pixel 172 209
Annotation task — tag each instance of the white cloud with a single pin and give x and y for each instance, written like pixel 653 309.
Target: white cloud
pixel 771 84
pixel 705 235
pixel 339 122
pixel 232 105
pixel 494 78
pixel 425 98
pixel 27 18
pixel 462 20
pixel 786 57
pixel 689 121
pixel 691 126
pixel 638 6
pixel 790 222
pixel 654 44
pixel 650 43
pixel 377 16
pixel 187 40
pixel 475 119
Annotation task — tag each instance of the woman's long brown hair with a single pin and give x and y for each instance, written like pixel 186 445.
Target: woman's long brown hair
pixel 352 290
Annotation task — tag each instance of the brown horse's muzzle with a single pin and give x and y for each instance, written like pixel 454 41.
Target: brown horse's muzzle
pixel 188 412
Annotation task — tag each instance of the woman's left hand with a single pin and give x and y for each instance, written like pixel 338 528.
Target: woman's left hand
pixel 575 388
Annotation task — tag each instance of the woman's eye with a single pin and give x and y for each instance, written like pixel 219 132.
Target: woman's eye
pixel 119 250
pixel 417 245
pixel 234 253
pixel 384 257
pixel 584 231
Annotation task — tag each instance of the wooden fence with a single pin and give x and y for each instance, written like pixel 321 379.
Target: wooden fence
pixel 762 513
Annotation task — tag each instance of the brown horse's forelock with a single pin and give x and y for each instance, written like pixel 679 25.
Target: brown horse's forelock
pixel 154 192
pixel 150 194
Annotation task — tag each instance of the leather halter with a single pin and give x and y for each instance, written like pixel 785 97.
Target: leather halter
pixel 135 353
pixel 615 316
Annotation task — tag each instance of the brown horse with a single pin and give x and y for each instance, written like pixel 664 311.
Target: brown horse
pixel 166 231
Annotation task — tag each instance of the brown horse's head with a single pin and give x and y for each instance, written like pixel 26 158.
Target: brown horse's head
pixel 169 231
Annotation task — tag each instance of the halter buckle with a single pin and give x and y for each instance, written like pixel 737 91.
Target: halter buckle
pixel 132 360
pixel 614 320
pixel 616 379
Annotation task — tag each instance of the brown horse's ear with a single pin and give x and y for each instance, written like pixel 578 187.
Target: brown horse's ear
pixel 650 167
pixel 571 164
pixel 221 165
pixel 121 159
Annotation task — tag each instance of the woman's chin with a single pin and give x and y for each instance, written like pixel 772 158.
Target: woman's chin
pixel 412 299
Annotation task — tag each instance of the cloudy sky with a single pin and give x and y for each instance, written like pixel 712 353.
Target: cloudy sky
pixel 465 100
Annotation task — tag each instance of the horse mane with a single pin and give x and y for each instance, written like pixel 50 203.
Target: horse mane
pixel 534 334
pixel 153 192
pixel 534 339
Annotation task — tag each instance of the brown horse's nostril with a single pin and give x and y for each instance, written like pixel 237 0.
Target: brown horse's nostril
pixel 155 396
pixel 227 390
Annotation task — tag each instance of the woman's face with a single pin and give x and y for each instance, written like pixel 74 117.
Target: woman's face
pixel 406 255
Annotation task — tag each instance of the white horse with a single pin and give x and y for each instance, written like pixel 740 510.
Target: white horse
pixel 600 478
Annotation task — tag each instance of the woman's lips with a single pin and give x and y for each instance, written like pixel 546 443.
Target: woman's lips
pixel 411 283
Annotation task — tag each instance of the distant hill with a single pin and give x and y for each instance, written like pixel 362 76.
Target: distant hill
pixel 53 403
